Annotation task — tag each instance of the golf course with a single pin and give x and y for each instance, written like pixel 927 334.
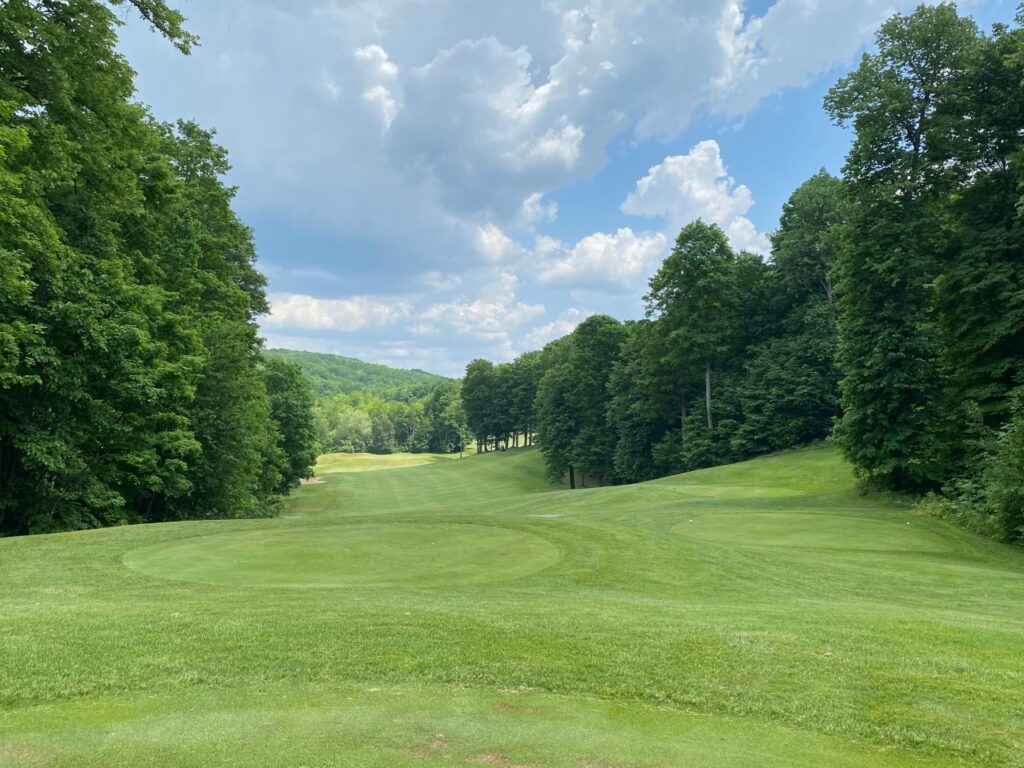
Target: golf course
pixel 461 612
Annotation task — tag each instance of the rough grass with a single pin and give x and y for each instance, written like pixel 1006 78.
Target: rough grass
pixel 461 613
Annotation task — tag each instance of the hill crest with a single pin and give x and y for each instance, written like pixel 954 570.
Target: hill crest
pixel 337 374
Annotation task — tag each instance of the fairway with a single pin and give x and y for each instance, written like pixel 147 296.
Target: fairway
pixel 381 553
pixel 462 613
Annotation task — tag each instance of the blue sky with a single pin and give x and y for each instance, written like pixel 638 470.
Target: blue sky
pixel 431 181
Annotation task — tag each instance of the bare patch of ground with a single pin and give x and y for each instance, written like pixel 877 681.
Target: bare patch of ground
pixel 435 745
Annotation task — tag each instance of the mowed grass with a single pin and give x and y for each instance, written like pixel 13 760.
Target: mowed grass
pixel 462 613
pixel 367 462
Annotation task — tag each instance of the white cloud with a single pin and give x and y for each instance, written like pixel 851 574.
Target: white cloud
pixel 561 326
pixel 560 145
pixel 439 281
pixel 601 258
pixel 696 185
pixel 296 310
pixel 490 316
pixel 381 99
pixel 428 136
pixel 762 59
pixel 484 106
pixel 378 59
pixel 535 211
pixel 493 244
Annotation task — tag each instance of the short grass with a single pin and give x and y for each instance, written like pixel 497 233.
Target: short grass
pixel 366 462
pixel 462 613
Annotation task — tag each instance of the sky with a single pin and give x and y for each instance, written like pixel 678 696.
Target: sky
pixel 431 181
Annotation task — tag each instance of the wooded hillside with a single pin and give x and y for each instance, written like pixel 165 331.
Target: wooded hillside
pixel 132 386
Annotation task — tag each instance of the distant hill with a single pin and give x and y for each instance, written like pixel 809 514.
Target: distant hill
pixel 336 374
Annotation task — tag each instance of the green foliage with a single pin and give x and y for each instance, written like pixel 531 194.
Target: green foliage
pixel 499 401
pixel 930 288
pixel 556 427
pixel 634 415
pixel 595 351
pixel 130 387
pixel 789 393
pixel 896 422
pixel 755 341
pixel 479 393
pixel 695 298
pixel 444 411
pixel 291 409
pixel 331 375
pixel 1003 477
pixel 385 421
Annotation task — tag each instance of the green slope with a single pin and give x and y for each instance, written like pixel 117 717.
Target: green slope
pixel 461 613
pixel 335 374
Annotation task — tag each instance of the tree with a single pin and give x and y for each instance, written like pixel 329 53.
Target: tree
pixel 556 427
pixel 789 394
pixel 479 392
pixel 895 425
pixel 443 408
pixel 130 386
pixel 573 398
pixel 635 411
pixel 1004 475
pixel 596 345
pixel 524 379
pixel 291 409
pixel 694 301
pixel 979 294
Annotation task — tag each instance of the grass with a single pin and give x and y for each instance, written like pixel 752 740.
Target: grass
pixel 366 462
pixel 461 613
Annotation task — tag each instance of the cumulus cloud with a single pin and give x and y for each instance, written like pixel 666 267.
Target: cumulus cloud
pixel 294 310
pixel 535 211
pixel 493 244
pixel 432 135
pixel 561 326
pixel 483 106
pixel 696 185
pixel 378 59
pixel 490 316
pixel 601 258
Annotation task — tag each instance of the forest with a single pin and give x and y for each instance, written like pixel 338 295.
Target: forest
pixel 889 317
pixel 132 382
pixel 369 408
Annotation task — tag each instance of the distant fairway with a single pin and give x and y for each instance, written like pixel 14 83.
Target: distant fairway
pixel 366 462
pixel 462 613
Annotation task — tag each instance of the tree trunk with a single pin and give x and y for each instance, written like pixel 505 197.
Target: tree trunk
pixel 572 477
pixel 682 414
pixel 707 394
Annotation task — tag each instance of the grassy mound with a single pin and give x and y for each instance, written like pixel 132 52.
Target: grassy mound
pixel 460 612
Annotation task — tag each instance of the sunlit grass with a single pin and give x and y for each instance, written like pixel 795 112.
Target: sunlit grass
pixel 463 613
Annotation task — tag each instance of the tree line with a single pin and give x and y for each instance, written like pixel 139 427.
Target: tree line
pixel 890 314
pixel 132 386
pixel 498 401
pixel 394 421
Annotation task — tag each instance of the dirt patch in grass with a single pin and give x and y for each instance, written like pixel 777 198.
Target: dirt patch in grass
pixel 432 747
pixel 311 481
